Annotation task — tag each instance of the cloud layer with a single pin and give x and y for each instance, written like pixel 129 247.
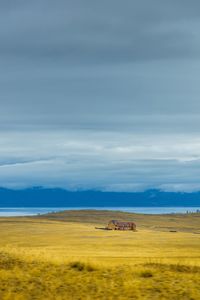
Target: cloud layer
pixel 100 94
pixel 97 160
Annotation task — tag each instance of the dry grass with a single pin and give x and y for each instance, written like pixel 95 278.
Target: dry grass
pixel 48 258
pixel 179 222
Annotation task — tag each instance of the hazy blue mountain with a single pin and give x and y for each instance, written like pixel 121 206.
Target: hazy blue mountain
pixel 44 197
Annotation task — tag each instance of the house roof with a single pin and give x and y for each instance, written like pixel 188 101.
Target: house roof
pixel 120 223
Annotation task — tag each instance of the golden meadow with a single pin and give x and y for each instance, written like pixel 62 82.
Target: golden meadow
pixel 62 256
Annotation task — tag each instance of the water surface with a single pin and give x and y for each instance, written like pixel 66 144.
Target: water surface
pixel 29 211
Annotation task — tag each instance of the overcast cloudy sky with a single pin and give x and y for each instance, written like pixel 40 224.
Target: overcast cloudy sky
pixel 100 94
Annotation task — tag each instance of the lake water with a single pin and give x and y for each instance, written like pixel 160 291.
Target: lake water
pixel 29 211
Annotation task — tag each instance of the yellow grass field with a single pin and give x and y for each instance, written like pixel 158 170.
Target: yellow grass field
pixel 63 256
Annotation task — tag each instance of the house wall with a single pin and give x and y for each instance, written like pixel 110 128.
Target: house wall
pixel 115 226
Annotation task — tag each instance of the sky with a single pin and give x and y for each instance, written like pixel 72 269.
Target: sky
pixel 100 94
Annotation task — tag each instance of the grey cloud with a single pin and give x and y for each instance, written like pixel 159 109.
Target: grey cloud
pixel 136 96
pixel 100 94
pixel 55 62
pixel 92 32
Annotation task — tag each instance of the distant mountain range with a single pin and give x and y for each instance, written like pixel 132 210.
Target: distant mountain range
pixel 55 197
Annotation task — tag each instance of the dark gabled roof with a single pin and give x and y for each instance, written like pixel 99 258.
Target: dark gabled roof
pixel 114 221
pixel 121 223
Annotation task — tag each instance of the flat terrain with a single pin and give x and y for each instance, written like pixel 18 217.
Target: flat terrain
pixel 63 256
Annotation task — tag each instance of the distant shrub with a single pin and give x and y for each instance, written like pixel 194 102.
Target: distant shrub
pixel 7 261
pixel 80 266
pixel 184 268
pixel 146 274
pixel 174 267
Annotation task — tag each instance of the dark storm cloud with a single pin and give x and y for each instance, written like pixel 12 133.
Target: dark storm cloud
pixel 85 59
pixel 97 31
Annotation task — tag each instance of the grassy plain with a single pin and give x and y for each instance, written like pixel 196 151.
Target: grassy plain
pixel 63 256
